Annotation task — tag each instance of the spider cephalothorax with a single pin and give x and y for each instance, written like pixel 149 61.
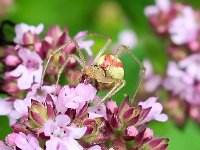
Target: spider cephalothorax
pixel 105 73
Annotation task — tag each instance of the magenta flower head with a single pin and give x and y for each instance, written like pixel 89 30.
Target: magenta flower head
pixel 39 113
pixel 24 63
pixel 160 15
pixel 77 119
pixel 131 123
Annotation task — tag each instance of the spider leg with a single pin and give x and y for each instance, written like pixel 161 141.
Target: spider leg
pixel 64 65
pixel 119 85
pixel 80 53
pixel 58 50
pixel 124 49
pixel 101 51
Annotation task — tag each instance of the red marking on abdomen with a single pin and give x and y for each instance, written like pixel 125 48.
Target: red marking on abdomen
pixel 109 61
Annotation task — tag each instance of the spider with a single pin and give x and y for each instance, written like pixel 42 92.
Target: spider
pixel 105 73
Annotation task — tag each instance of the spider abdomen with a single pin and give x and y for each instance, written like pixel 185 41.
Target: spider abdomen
pixel 112 65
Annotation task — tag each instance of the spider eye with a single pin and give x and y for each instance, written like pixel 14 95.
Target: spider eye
pixel 112 65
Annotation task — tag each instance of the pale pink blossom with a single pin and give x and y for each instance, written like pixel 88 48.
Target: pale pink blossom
pixel 97 110
pixel 30 71
pixel 177 80
pixel 155 112
pixel 161 6
pixel 40 92
pixel 4 146
pixel 151 81
pixel 183 79
pixel 37 93
pixel 191 65
pixel 22 28
pixel 23 142
pixel 96 147
pixel 62 135
pixel 184 28
pixel 21 107
pixel 7 109
pixel 84 44
pixel 127 37
pixel 75 97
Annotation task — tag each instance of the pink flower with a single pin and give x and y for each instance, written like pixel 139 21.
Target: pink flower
pixel 7 109
pixel 75 97
pixel 155 112
pixel 22 28
pixel 152 81
pixel 37 93
pixel 62 135
pixel 177 80
pixel 4 147
pixel 23 142
pixel 40 92
pixel 191 65
pixel 21 107
pixel 30 71
pixel 97 110
pixel 127 37
pixel 161 5
pixel 183 79
pixel 96 147
pixel 184 27
pixel 84 44
pixel 5 106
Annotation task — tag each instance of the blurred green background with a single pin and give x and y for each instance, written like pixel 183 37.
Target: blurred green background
pixel 110 17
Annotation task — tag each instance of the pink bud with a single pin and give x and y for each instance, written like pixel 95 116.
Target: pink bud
pixel 132 131
pixel 12 60
pixel 11 88
pixel 194 46
pixel 148 133
pixel 111 105
pixel 10 139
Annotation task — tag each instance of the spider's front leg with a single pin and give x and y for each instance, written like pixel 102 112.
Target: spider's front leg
pixel 65 63
pixel 118 85
pixel 106 45
pixel 124 49
pixel 81 60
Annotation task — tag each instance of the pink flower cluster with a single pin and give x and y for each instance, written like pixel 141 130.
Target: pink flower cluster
pixel 179 24
pixel 74 118
pixel 24 63
pixel 51 117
